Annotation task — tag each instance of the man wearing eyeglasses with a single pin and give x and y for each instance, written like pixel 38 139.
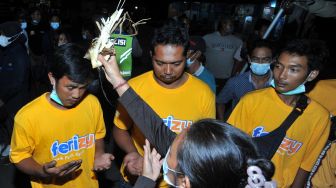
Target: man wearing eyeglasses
pixel 258 77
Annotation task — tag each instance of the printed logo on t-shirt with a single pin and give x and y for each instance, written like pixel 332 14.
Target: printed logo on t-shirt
pixel 75 144
pixel 288 146
pixel 223 46
pixel 176 125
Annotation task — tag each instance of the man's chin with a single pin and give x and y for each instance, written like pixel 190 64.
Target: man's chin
pixel 168 81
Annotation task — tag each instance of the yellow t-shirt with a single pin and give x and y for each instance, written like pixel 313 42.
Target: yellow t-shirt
pixel 326 174
pixel 324 93
pixel 47 133
pixel 262 111
pixel 178 107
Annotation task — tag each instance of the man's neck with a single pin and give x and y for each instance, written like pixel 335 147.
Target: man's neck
pixel 260 81
pixel 290 100
pixel 173 85
pixel 194 67
pixel 53 103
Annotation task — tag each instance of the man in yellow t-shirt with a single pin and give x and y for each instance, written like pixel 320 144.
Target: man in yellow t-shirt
pixel 176 96
pixel 262 111
pixel 58 137
pixel 324 93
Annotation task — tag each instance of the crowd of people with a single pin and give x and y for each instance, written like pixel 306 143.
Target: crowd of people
pixel 197 119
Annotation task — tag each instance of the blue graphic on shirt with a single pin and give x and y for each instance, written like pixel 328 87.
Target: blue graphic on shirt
pixel 259 131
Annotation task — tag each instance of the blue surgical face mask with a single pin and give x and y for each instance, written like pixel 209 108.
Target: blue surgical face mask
pixel 55 98
pixel 54 25
pixel 23 25
pixel 166 169
pixel 189 62
pixel 5 41
pixel 300 89
pixel 260 68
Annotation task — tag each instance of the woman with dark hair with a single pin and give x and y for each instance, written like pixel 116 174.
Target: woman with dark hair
pixel 210 153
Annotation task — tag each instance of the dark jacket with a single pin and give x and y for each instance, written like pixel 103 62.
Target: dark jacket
pixel 14 75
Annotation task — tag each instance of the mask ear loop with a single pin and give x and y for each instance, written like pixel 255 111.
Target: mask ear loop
pixel 16 37
pixel 306 80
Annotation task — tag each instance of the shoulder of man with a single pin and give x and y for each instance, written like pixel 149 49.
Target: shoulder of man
pixel 198 85
pixel 91 98
pixel 141 79
pixel 33 108
pixel 259 94
pixel 317 107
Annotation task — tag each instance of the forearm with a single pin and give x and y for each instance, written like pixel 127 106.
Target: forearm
pixel 144 182
pixel 300 179
pixel 150 124
pixel 99 147
pixel 31 167
pixel 220 110
pixel 237 66
pixel 124 140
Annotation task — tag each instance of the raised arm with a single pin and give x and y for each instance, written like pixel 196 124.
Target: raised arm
pixel 158 134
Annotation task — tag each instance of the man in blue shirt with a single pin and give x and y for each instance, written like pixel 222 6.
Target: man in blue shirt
pixel 195 60
pixel 258 77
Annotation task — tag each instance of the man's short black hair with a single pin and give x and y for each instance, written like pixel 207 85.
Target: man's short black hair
pixel 315 51
pixel 68 60
pixel 262 43
pixel 172 33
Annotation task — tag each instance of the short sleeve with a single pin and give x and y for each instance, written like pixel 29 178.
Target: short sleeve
pixel 316 144
pixel 100 124
pixel 22 141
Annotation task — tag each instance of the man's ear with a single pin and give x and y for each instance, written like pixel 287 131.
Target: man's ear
pixel 312 75
pixel 51 79
pixel 248 58
pixel 185 182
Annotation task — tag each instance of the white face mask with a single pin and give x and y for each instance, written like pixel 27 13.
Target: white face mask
pixel 166 169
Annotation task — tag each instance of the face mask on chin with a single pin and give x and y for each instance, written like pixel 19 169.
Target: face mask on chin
pixel 298 90
pixel 54 97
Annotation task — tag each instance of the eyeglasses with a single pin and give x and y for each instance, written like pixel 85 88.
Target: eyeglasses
pixel 261 59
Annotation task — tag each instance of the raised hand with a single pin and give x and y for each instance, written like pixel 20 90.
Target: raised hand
pixel 111 69
pixel 151 163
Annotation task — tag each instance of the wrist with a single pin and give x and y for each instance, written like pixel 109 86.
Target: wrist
pixel 119 84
